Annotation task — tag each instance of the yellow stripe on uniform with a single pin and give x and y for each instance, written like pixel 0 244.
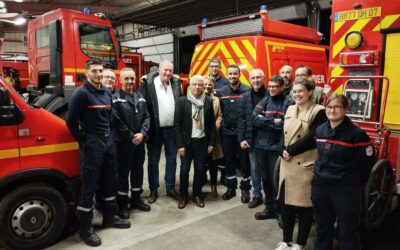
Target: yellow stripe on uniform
pixel 386 22
pixel 250 48
pixel 47 149
pixel 337 26
pixel 357 26
pixel 9 153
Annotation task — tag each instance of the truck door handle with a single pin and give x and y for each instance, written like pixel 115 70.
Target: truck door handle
pixel 40 139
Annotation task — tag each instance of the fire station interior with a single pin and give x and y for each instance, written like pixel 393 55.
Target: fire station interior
pixel 167 29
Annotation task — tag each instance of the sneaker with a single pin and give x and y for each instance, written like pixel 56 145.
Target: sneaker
pixel 283 246
pixel 297 247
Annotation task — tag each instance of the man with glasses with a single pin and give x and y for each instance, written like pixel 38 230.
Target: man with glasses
pixel 131 123
pixel 89 121
pixel 214 68
pixel 109 79
pixel 268 118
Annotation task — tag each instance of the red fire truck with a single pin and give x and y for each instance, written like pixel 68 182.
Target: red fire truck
pixel 39 173
pixel 15 70
pixel 59 44
pixel 256 41
pixel 364 65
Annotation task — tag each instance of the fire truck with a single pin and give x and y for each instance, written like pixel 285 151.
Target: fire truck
pixel 364 65
pixel 39 173
pixel 15 69
pixel 59 44
pixel 256 41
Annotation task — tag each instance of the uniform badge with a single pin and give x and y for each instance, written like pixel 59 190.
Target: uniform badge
pixel 369 150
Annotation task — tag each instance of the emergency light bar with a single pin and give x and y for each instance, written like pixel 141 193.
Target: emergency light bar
pixel 359 59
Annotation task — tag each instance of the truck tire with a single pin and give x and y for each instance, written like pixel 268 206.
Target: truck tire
pixel 32 217
pixel 378 193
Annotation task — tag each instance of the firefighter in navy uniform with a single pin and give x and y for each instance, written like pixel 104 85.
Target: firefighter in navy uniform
pixel 89 121
pixel 229 98
pixel 345 159
pixel 131 123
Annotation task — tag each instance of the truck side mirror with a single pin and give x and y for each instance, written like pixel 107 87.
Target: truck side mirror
pixel 9 113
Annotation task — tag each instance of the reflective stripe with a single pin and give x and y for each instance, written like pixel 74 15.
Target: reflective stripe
pixel 230 177
pixel 122 193
pixel 273 112
pixel 119 100
pixel 142 100
pixel 98 106
pixel 246 179
pixel 109 198
pixel 135 189
pixel 84 209
pixel 345 144
pixel 222 167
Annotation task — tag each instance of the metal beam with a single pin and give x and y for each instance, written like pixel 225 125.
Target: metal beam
pixel 45 7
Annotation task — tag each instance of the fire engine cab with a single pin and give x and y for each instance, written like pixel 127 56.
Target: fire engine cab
pixel 256 41
pixel 364 65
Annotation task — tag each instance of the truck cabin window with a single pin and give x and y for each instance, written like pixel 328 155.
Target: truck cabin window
pixel 96 42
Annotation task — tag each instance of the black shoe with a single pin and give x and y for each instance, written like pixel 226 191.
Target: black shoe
pixel 174 195
pixel 123 212
pixel 140 205
pixel 279 219
pixel 115 222
pixel 89 236
pixel 229 194
pixel 264 215
pixel 245 196
pixel 255 202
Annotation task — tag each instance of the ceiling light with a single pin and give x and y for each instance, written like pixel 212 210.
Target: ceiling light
pixel 18 1
pixel 2 4
pixel 19 21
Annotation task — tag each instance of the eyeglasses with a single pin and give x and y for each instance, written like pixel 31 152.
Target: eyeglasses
pixel 111 77
pixel 333 108
pixel 215 66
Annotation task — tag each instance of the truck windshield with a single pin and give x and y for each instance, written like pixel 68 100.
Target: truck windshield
pixel 96 42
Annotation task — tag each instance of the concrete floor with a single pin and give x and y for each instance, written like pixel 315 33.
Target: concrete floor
pixel 219 225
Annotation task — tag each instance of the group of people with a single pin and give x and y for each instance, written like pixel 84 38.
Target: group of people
pixel 221 124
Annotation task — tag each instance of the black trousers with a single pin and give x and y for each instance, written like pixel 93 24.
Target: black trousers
pixel 197 152
pixel 235 156
pixel 305 215
pixel 98 170
pixel 341 203
pixel 267 160
pixel 130 160
pixel 212 166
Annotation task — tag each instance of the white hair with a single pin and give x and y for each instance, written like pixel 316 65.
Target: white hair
pixel 196 77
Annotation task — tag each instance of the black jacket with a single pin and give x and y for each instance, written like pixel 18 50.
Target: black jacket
pixel 267 133
pixel 183 122
pixel 148 91
pixel 246 106
pixel 229 99
pixel 130 116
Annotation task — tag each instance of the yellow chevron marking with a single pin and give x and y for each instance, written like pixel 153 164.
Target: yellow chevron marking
pixel 9 153
pixel 47 149
pixel 196 51
pixel 196 64
pixel 386 22
pixel 337 71
pixel 236 49
pixel 226 54
pixel 357 26
pixel 203 53
pixel 250 48
pixel 337 26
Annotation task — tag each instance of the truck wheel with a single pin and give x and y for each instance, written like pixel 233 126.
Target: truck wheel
pixel 378 193
pixel 32 216
pixel 276 175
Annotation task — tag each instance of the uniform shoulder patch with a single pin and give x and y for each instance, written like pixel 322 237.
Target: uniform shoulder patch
pixel 369 151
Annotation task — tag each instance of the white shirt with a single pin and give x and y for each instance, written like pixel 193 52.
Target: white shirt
pixel 166 103
pixel 197 133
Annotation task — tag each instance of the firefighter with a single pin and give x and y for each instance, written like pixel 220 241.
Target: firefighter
pixel 268 120
pixel 286 72
pixel 109 79
pixel 229 97
pixel 345 159
pixel 89 121
pixel 214 68
pixel 131 123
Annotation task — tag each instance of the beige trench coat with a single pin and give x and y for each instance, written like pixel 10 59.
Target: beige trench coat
pixel 298 172
pixel 217 152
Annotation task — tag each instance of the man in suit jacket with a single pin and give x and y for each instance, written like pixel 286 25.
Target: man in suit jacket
pixel 161 90
pixel 194 125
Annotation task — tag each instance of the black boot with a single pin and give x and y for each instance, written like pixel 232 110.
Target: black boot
pixel 89 236
pixel 229 194
pixel 140 205
pixel 245 196
pixel 115 221
pixel 123 211
pixel 265 214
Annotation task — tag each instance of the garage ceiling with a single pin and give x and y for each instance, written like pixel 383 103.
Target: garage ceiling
pixel 166 13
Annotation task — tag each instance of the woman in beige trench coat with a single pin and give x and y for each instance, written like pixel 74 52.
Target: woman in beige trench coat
pixel 297 165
